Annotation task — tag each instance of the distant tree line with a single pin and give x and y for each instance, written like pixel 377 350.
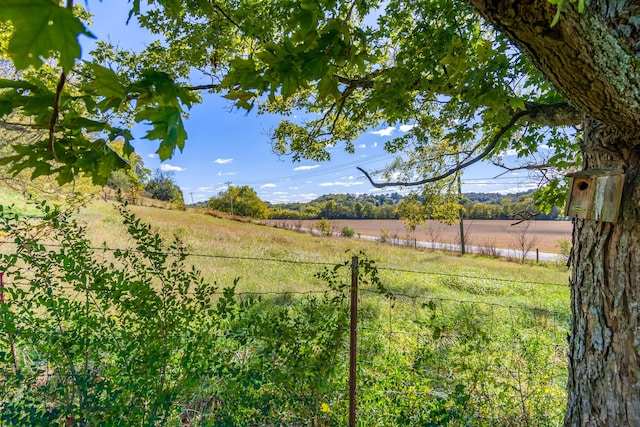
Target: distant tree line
pixel 393 206
pixel 501 206
pixel 341 206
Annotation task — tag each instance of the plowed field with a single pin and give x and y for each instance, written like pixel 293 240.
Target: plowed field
pixel 544 235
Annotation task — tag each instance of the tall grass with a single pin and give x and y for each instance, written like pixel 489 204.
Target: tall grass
pixel 219 243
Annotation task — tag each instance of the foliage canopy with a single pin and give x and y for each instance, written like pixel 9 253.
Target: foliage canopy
pixel 243 201
pixel 459 88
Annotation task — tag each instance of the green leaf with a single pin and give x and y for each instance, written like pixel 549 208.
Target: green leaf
pixel 6 107
pixel 167 127
pixel 17 84
pixel 556 17
pixel 517 104
pixel 84 123
pixel 40 28
pixel 159 88
pixel 104 82
pixel 328 86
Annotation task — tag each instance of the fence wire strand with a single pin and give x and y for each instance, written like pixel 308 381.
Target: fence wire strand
pixel 410 328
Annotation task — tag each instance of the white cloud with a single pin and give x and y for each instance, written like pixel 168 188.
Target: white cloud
pixel 226 173
pixel 207 189
pixel 384 132
pixel 279 193
pixel 362 146
pixel 268 186
pixel 223 161
pixel 508 153
pixel 340 184
pixel 406 128
pixel 152 155
pixel 170 168
pixel 375 145
pixel 294 188
pixel 306 168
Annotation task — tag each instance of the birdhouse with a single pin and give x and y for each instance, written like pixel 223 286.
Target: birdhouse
pixel 595 195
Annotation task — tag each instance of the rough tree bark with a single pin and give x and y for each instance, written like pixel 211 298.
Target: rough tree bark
pixel 593 60
pixel 604 363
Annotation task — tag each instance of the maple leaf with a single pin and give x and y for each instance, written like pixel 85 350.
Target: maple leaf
pixel 41 27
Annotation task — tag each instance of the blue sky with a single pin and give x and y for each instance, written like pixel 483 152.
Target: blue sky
pixel 232 146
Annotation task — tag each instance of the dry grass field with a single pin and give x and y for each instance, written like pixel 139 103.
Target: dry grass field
pixel 545 235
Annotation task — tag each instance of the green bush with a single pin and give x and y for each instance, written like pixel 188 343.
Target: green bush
pixel 135 337
pixel 324 226
pixel 102 338
pixel 347 231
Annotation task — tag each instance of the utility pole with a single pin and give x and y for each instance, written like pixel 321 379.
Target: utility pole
pixel 230 196
pixel 191 198
pixel 459 173
pixel 462 248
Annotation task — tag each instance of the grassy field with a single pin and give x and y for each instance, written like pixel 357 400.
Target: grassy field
pixel 221 244
pixel 452 341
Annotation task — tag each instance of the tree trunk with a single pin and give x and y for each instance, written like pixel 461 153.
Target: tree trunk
pixel 592 59
pixel 604 350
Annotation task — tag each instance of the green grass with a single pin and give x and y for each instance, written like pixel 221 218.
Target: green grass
pixel 220 242
pixel 455 341
pixel 17 204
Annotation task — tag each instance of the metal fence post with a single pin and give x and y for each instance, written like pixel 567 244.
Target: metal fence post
pixel 353 339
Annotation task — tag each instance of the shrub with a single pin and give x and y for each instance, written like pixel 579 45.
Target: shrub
pixel 102 337
pixel 347 231
pixel 135 337
pixel 324 227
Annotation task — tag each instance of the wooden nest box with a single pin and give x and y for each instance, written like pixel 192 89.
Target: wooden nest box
pixel 595 195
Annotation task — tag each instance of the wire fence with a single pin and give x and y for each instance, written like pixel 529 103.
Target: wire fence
pixel 355 354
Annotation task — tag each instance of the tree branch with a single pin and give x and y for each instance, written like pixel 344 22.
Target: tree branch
pixel 558 114
pixel 203 87
pixel 517 116
pixel 56 104
pixel 225 15
pixel 580 55
pixel 542 166
pixel 55 114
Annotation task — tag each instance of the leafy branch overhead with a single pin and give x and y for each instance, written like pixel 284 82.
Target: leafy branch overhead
pixel 432 66
pixel 85 96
